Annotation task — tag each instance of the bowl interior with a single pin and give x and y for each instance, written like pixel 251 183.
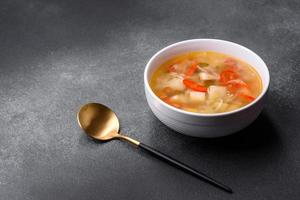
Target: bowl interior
pixel 221 46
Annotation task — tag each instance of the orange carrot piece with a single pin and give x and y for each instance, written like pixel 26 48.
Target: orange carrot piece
pixel 191 69
pixel 246 97
pixel 176 105
pixel 194 86
pixel 228 75
pixel 171 68
pixel 234 86
pixel 230 62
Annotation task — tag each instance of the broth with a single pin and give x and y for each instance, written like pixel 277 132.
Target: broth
pixel 206 82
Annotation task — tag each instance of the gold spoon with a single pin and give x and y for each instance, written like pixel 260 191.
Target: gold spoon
pixel 101 123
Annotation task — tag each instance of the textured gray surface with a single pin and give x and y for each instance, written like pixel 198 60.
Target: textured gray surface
pixel 58 55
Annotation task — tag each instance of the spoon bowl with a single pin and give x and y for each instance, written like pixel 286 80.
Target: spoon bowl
pixel 98 121
pixel 101 123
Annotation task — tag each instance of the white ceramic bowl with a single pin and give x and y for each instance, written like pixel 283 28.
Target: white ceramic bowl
pixel 206 125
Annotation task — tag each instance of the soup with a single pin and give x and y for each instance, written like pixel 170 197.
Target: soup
pixel 206 82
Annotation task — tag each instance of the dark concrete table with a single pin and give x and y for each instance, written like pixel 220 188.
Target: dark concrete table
pixel 58 55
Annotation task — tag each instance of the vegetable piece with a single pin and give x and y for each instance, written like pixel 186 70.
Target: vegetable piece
pixel 194 86
pixel 191 69
pixel 201 64
pixel 162 96
pixel 233 106
pixel 179 98
pixel 176 68
pixel 230 62
pixel 246 97
pixel 163 93
pixel 208 76
pixel 228 75
pixel 218 105
pixel 171 68
pixel 234 85
pixel 196 97
pixel 223 107
pixel 216 92
pixel 239 82
pixel 176 105
pixel 176 97
pixel 168 91
pixel 175 84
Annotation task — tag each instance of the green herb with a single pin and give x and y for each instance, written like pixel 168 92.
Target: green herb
pixel 203 64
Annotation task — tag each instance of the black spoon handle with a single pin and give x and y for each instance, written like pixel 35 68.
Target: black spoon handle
pixel 184 167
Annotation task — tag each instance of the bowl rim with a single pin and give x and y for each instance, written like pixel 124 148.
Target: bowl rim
pixel 148 88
